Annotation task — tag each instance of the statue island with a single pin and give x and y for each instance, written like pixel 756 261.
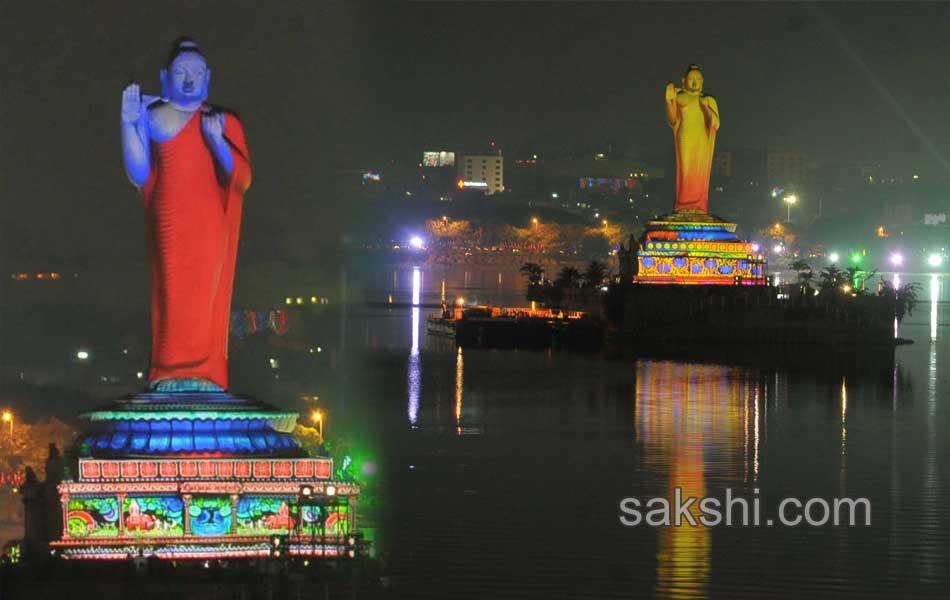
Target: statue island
pixel 184 469
pixel 690 245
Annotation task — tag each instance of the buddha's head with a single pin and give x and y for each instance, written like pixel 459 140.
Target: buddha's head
pixel 693 79
pixel 186 75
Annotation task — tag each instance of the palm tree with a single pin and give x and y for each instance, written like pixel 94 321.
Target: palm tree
pixel 569 277
pixel 595 274
pixel 805 274
pixel 534 272
pixel 904 297
pixel 833 277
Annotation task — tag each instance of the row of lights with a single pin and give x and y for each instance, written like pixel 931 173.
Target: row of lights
pixel 934 260
pixel 300 300
pixel 24 276
pixel 896 259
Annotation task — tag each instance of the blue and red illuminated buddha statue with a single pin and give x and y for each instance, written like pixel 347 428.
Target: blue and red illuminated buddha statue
pixel 191 163
pixel 185 469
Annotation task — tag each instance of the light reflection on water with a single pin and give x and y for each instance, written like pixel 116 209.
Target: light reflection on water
pixel 413 376
pixel 610 429
pixel 459 389
pixel 498 285
pixel 934 297
pixel 682 410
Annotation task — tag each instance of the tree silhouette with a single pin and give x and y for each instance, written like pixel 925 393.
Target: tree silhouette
pixel 569 277
pixel 595 274
pixel 534 272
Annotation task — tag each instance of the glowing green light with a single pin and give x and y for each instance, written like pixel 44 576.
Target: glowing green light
pixel 856 258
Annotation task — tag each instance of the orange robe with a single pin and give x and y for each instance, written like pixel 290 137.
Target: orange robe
pixel 193 215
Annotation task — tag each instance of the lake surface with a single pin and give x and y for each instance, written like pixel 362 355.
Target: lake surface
pixel 504 469
pixel 498 474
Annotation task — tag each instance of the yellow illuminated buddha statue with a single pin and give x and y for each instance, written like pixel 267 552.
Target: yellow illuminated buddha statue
pixel 690 245
pixel 694 117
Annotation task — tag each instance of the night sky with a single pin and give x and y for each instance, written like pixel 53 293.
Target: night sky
pixel 323 88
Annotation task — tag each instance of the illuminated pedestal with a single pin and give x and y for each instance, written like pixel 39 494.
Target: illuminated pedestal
pixel 201 475
pixel 696 248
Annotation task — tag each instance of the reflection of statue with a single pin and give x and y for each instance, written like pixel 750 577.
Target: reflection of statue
pixel 191 163
pixel 694 117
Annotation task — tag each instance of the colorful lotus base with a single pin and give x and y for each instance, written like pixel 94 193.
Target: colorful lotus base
pixel 201 475
pixel 696 248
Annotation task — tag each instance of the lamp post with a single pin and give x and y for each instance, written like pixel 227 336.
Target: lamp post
pixel 789 201
pixel 317 418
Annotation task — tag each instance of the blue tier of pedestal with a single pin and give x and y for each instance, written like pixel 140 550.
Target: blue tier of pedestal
pixel 178 424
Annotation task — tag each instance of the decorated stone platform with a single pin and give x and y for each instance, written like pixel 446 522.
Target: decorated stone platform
pixel 204 475
pixel 692 247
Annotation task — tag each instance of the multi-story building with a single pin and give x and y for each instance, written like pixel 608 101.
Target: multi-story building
pixel 722 164
pixel 484 171
pixel 784 168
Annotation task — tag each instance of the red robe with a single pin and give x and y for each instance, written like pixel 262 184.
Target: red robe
pixel 193 214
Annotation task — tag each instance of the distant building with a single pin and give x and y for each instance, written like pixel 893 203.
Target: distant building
pixel 784 168
pixel 722 164
pixel 438 158
pixel 899 212
pixel 487 169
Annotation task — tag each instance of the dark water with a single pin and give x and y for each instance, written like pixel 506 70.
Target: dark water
pixel 498 474
pixel 503 470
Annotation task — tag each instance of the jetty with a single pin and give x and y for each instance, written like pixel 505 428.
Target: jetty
pixel 506 327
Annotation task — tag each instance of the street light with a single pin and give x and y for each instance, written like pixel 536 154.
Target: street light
pixel 789 201
pixel 534 221
pixel 897 259
pixel 833 257
pixel 8 418
pixel 82 355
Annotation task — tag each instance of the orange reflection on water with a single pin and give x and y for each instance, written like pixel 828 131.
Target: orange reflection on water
pixel 690 420
pixel 459 387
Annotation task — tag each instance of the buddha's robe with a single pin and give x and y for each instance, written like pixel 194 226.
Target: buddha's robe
pixel 193 216
pixel 695 138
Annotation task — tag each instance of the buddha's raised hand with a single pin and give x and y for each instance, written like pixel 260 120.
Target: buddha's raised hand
pixel 132 104
pixel 670 92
